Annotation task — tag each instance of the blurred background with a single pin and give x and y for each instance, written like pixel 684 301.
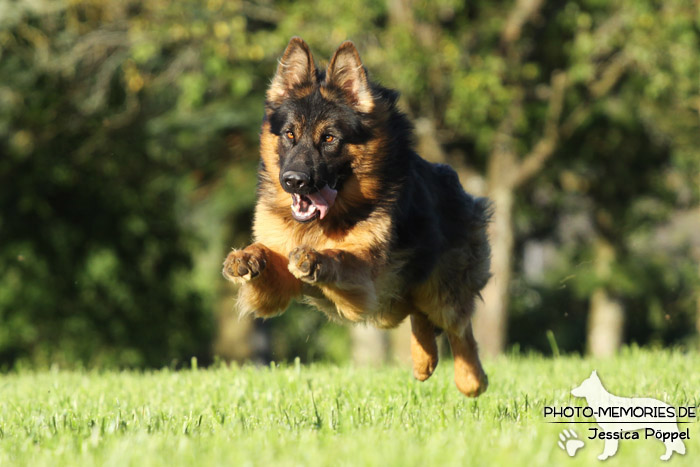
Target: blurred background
pixel 128 153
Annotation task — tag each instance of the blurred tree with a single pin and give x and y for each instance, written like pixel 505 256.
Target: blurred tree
pixel 95 260
pixel 128 134
pixel 514 82
pixel 97 263
pixel 632 161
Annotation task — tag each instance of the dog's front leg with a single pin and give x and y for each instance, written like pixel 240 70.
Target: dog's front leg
pixel 345 278
pixel 266 284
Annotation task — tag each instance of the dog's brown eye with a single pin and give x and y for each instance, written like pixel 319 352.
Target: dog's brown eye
pixel 329 138
pixel 290 135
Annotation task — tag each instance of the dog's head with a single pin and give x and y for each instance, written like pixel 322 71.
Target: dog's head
pixel 318 120
pixel 589 386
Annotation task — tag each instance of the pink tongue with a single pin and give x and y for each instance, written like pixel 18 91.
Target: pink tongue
pixel 323 199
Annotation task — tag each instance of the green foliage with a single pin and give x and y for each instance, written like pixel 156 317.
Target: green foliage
pixel 128 150
pixel 326 415
pixel 96 262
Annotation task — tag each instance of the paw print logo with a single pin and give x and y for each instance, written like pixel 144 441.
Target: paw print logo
pixel 569 442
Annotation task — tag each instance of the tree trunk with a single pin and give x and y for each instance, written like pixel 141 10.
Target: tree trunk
pixel 490 320
pixel 400 343
pixel 605 324
pixel 605 317
pixel 233 339
pixel 370 345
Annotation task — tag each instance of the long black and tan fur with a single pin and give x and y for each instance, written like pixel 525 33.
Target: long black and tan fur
pixel 401 238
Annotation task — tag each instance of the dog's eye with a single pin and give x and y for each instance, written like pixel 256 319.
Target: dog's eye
pixel 328 138
pixel 289 134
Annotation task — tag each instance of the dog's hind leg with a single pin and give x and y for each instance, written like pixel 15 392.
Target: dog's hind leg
pixel 469 375
pixel 424 350
pixel 267 285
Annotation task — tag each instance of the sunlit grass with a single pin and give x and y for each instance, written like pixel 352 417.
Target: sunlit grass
pixel 326 415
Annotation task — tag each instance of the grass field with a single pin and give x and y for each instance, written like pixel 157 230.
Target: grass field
pixel 327 415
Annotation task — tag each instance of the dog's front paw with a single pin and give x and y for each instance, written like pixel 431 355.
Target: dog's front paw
pixel 243 265
pixel 307 264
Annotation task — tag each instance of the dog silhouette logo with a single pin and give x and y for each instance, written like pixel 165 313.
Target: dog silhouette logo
pixel 622 418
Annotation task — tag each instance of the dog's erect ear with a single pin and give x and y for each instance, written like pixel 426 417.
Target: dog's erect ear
pixel 594 375
pixel 296 68
pixel 347 73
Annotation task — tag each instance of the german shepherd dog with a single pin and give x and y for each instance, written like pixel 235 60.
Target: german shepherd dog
pixel 352 219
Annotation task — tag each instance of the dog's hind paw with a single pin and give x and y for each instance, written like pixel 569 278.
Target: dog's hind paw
pixel 306 264
pixel 243 265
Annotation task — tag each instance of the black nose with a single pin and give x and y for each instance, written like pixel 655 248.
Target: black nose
pixel 295 180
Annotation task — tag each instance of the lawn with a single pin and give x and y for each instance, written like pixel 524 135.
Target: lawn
pixel 328 415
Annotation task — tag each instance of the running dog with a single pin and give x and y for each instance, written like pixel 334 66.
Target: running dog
pixel 350 218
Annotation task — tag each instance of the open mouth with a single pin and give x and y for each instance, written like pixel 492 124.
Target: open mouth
pixel 310 206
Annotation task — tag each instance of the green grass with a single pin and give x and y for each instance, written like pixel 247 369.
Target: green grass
pixel 327 415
